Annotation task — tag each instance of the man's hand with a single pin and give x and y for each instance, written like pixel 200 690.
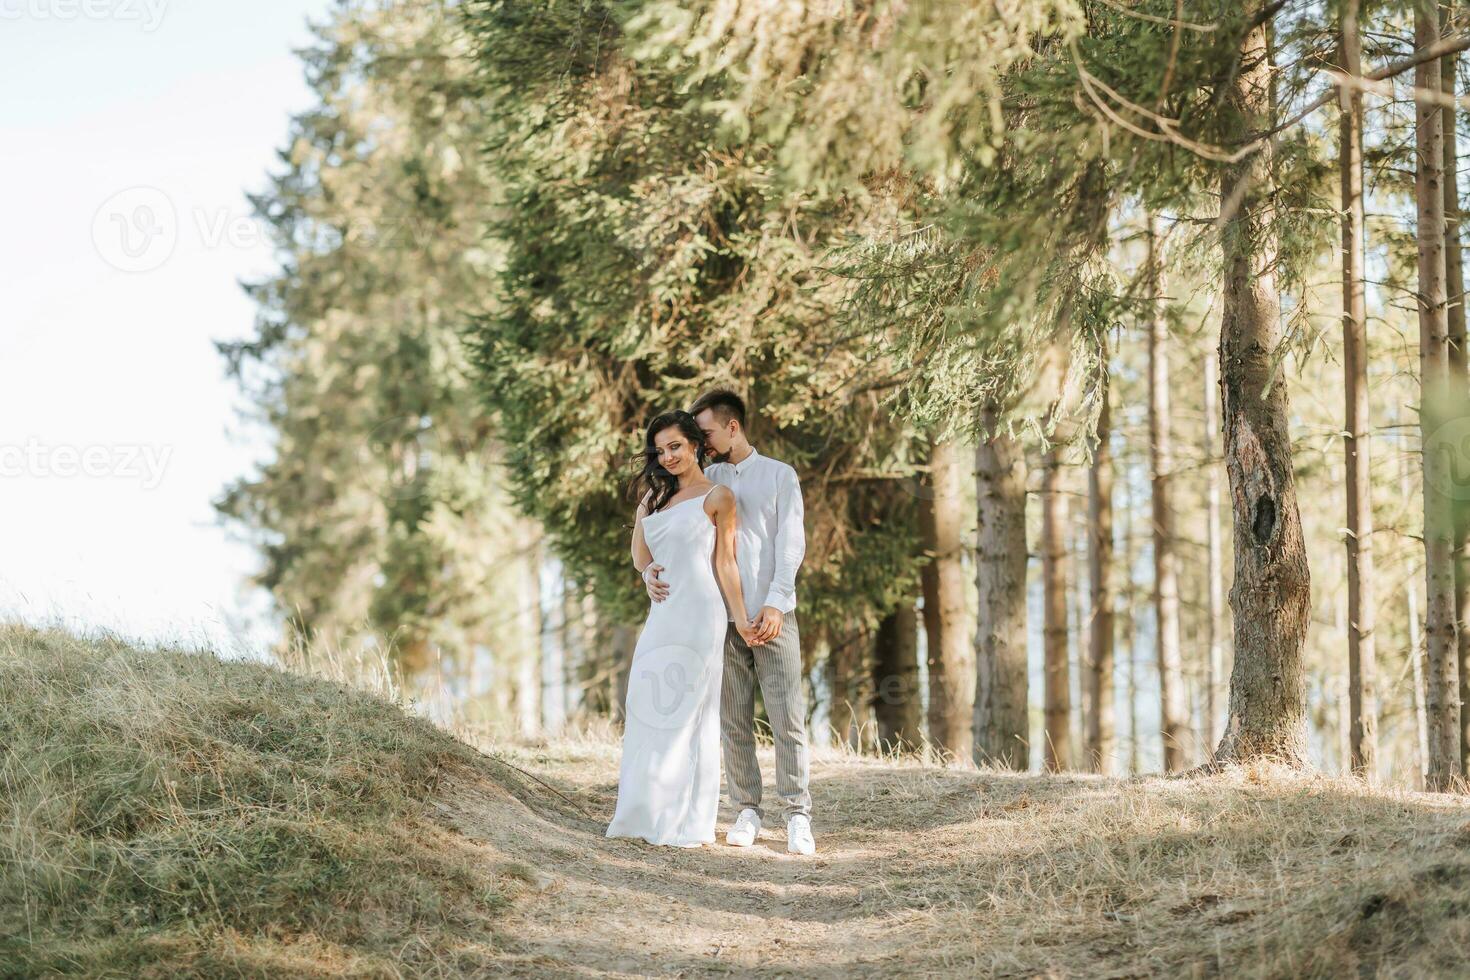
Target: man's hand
pixel 767 625
pixel 658 589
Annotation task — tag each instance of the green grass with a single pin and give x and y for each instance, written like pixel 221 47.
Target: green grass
pixel 164 813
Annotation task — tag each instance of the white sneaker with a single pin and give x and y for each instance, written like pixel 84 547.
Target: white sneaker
pixel 747 828
pixel 799 835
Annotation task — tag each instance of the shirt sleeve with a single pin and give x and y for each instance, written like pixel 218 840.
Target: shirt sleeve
pixel 790 544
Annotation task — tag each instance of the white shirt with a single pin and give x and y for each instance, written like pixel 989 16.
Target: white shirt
pixel 770 540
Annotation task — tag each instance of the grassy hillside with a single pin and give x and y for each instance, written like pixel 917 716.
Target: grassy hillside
pixel 166 814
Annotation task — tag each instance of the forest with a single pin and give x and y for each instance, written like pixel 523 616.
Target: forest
pixel 1119 346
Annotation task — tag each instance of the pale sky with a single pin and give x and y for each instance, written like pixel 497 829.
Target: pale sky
pixel 129 134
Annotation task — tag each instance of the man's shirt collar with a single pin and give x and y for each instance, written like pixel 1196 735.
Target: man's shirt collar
pixel 745 463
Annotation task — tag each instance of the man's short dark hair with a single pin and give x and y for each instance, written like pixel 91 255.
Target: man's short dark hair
pixel 725 404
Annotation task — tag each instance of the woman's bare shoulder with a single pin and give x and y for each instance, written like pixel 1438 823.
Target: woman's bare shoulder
pixel 719 498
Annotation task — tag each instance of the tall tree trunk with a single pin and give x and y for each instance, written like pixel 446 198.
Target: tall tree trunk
pixel 844 661
pixel 946 620
pixel 1002 723
pixel 624 640
pixel 1271 596
pixel 1442 691
pixel 1214 556
pixel 1166 568
pixel 1101 734
pixel 896 702
pixel 1130 626
pixel 1362 660
pixel 1416 650
pixel 1459 381
pixel 597 660
pixel 1058 694
pixel 528 690
pixel 574 652
pixel 528 680
pixel 1416 671
pixel 1078 644
pixel 553 662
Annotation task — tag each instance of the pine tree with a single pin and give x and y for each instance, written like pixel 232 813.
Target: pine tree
pixel 1440 635
pixel 380 519
pixel 1362 660
pixel 1101 728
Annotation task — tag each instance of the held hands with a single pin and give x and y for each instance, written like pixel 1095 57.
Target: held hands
pixel 767 625
pixel 658 589
pixel 762 630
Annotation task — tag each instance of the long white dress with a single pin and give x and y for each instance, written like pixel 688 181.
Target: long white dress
pixel 669 779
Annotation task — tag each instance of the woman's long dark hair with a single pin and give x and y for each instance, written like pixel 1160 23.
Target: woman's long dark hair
pixel 652 479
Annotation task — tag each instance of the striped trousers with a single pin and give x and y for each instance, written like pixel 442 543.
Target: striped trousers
pixel 777 668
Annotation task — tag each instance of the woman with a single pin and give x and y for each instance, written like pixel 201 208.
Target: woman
pixel 669 780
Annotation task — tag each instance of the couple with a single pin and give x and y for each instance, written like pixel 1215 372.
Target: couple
pixel 732 529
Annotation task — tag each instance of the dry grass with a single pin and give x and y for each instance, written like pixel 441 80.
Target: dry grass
pixel 166 814
pixel 928 871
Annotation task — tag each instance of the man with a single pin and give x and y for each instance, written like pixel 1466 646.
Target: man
pixel 770 544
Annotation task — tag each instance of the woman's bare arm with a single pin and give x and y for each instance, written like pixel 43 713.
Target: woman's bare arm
pixel 657 588
pixel 641 555
pixel 721 506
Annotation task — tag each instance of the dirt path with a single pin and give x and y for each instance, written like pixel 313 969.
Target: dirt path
pixel 924 871
pixel 625 908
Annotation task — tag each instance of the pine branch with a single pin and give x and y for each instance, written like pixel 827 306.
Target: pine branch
pixel 1444 46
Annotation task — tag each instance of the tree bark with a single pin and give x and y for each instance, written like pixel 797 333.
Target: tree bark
pixel 1271 596
pixel 896 707
pixel 553 661
pixel 843 663
pixel 1442 693
pixel 528 670
pixel 1058 694
pixel 1362 660
pixel 1460 381
pixel 624 640
pixel 1411 600
pixel 598 658
pixel 1001 729
pixel 1130 629
pixel 946 619
pixel 1214 556
pixel 1166 567
pixel 1101 728
pixel 574 652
